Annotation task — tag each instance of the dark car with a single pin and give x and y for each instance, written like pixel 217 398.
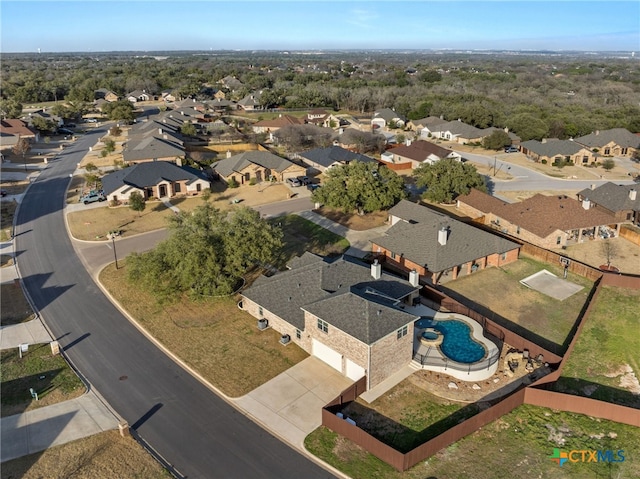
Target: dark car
pixel 304 180
pixel 65 131
pixel 313 186
pixel 511 149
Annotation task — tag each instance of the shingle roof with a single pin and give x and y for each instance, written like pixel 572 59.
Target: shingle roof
pixel 552 147
pixel 150 148
pixel 328 156
pixel 387 114
pixel 417 238
pixel 148 174
pixel 429 121
pixel 309 285
pixel 237 163
pixel 279 122
pixel 613 197
pixel 459 128
pixel 420 151
pixel 542 215
pixel 619 136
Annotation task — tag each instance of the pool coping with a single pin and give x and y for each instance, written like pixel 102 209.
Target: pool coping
pixel 456 369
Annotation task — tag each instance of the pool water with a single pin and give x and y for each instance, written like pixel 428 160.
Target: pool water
pixel 458 343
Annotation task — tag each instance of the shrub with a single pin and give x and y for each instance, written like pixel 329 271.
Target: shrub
pixel 233 183
pixel 544 162
pixel 253 181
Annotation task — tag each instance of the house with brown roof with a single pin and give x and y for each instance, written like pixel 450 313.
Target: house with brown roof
pixel 414 153
pixel 255 167
pixel 613 142
pixel 12 129
pixel 622 201
pixel 271 126
pixel 546 221
pixel 437 246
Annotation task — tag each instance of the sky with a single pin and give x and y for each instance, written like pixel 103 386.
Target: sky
pixel 96 26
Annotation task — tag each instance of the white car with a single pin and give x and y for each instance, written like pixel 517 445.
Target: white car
pixel 294 182
pixel 91 120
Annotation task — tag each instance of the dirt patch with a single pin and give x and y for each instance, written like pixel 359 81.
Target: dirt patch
pixel 14 308
pixel 103 455
pixel 624 254
pixel 354 221
pixel 6 260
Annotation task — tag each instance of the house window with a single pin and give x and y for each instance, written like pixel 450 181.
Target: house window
pixel 298 334
pixel 323 326
pixel 260 312
pixel 624 151
pixel 607 151
pixel 559 240
pixel 393 255
pixel 503 256
pixel 198 187
pixel 402 332
pixel 177 187
pixel 247 176
pixel 585 159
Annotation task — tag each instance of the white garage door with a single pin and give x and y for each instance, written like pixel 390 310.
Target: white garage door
pixel 354 371
pixel 326 354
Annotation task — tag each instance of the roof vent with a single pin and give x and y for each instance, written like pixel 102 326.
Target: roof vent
pixel 633 195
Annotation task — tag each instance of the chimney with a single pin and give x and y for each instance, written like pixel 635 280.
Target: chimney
pixel 597 132
pixel 632 195
pixel 593 186
pixel 228 153
pixel 376 270
pixel 586 204
pixel 443 233
pixel 544 140
pixel 165 137
pixel 160 131
pixel 414 278
pixel 408 142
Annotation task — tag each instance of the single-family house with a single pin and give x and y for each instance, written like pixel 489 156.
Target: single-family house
pixel 220 105
pixel 317 116
pixel 271 126
pixel 458 131
pixel 106 95
pixel 424 126
pixel 44 114
pixel 613 142
pixel 12 130
pixel 414 153
pixel 231 82
pixel 387 118
pixel 360 141
pixel 546 221
pixel 169 96
pixel 139 95
pixel 258 166
pixel 348 314
pixel 555 151
pixel 152 148
pixel 622 201
pixel 437 246
pixel 321 159
pixel 158 179
pixel 251 102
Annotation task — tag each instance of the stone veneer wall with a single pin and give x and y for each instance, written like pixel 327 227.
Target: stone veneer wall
pixel 389 355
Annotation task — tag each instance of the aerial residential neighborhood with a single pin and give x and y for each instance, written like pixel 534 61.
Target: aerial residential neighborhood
pixel 306 262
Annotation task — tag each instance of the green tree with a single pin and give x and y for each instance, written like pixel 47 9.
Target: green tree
pixel 43 125
pixel 447 179
pixel 496 140
pixel 528 127
pixel 188 129
pixel 608 164
pixel 10 108
pixel 90 167
pixel 360 186
pixel 221 248
pixel 137 202
pixel 119 111
pixel 109 145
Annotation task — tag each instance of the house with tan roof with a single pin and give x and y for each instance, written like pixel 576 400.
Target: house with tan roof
pixel 271 126
pixel 350 315
pixel 437 246
pixel 546 221
pixel 414 153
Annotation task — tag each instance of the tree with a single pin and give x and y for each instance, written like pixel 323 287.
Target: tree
pixel 528 127
pixel 109 145
pixel 43 125
pixel 360 186
pixel 609 250
pixel 10 108
pixel 21 148
pixel 119 110
pixel 90 168
pixel 447 179
pixel 496 140
pixel 608 164
pixel 188 129
pixel 137 202
pixel 207 253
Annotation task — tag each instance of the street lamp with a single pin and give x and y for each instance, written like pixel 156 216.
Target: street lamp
pixel 113 243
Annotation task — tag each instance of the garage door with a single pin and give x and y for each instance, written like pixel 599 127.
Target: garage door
pixel 354 371
pixel 326 354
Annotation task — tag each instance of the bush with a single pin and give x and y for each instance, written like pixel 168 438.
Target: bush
pixel 544 162
pixel 232 183
pixel 253 181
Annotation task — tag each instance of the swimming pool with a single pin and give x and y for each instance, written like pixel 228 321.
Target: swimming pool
pixel 458 344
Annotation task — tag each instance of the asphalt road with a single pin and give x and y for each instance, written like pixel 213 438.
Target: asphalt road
pixel 197 432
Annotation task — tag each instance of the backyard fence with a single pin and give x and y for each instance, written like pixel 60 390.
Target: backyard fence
pixel 552 257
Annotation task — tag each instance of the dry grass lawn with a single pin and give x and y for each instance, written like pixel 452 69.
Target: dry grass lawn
pixel 105 455
pixel 354 221
pixel 14 307
pixel 624 254
pixel 214 337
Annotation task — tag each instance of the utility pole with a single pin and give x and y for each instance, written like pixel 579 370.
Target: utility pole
pixel 113 243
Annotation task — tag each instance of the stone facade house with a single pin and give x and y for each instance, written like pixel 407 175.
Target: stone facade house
pixel 321 159
pixel 154 180
pixel 347 313
pixel 545 221
pixel 552 151
pixel 385 117
pixel 457 131
pixel 258 166
pixel 438 247
pixel 622 201
pixel 271 126
pixel 12 130
pixel 413 154
pixel 613 142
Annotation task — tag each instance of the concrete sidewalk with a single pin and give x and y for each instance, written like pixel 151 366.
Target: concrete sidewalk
pixel 30 332
pixel 39 429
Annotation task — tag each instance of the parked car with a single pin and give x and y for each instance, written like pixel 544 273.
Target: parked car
pixel 65 131
pixel 91 120
pixel 3 193
pixel 313 186
pixel 92 197
pixel 511 149
pixel 305 180
pixel 294 182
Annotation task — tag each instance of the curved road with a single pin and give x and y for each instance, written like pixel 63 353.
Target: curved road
pixel 197 432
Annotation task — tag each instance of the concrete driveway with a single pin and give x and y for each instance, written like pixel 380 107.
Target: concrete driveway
pixel 290 405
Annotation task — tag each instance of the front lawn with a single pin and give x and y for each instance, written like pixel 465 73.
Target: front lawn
pixel 14 307
pixel 354 221
pixel 516 446
pixel 50 376
pixel 214 337
pixel 605 362
pixel 544 320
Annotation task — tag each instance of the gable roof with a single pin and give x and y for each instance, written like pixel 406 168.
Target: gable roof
pixel 552 147
pixel 619 136
pixel 416 237
pixel 149 148
pixel 542 215
pixel 613 197
pixel 429 121
pixel 16 127
pixel 341 292
pixel 334 154
pixel 459 128
pixel 421 150
pixel 279 122
pixel 237 163
pixel 149 174
pixel 387 114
